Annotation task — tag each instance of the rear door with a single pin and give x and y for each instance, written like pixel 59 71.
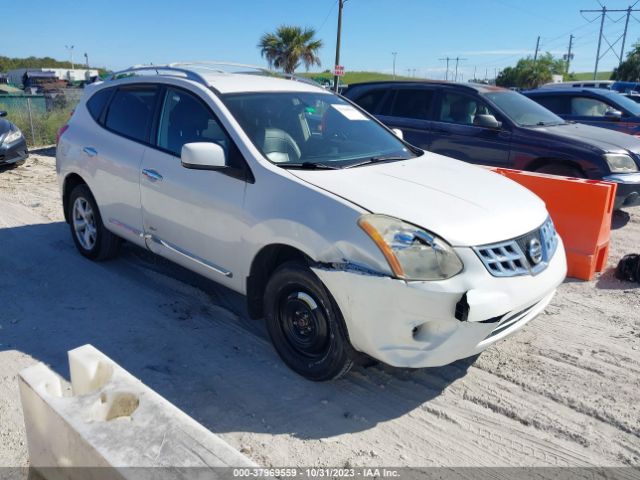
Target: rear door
pixel 116 152
pixel 455 134
pixel 193 217
pixel 409 109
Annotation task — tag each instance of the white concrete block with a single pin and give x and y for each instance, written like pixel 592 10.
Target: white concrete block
pixel 108 418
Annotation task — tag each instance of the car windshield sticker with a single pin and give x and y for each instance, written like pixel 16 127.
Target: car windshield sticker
pixel 350 112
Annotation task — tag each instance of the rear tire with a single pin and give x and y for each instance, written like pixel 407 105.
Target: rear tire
pixel 560 170
pixel 305 324
pixel 92 239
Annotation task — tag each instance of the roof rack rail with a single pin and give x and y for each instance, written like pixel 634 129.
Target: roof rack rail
pixel 189 71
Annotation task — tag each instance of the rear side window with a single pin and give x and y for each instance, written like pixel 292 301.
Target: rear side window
pixel 412 103
pixel 370 101
pixel 131 111
pixel 97 102
pixel 558 104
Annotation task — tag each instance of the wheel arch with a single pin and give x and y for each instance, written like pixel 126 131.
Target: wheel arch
pixel 71 181
pixel 543 161
pixel 263 265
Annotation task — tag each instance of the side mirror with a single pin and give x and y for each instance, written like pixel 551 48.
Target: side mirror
pixel 203 156
pixel 398 133
pixel 487 121
pixel 613 114
pixel 3 113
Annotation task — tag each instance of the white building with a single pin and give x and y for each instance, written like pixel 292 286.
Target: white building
pixel 72 75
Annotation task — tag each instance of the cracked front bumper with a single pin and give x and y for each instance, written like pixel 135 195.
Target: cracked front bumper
pixel 413 324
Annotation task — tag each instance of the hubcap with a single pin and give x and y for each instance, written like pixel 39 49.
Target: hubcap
pixel 304 323
pixel 84 223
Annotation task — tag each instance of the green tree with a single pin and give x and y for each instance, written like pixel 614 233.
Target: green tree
pixel 530 74
pixel 629 70
pixel 288 46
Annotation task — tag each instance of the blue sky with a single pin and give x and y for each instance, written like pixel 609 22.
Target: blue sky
pixel 490 34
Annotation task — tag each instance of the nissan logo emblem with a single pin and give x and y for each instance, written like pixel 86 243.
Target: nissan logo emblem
pixel 534 250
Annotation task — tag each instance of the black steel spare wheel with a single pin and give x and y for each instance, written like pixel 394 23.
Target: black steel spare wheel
pixel 305 324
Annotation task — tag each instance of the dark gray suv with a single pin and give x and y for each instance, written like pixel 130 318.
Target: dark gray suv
pixel 494 126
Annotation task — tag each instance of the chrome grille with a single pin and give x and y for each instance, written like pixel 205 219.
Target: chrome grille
pixel 512 257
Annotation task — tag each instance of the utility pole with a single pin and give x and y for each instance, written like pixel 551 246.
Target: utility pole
pixel 446 75
pixel 603 13
pixel 569 55
pixel 394 64
pixel 70 48
pixel 414 72
pixel 335 77
pixel 624 35
pixel 535 55
pixel 458 59
pixel 86 60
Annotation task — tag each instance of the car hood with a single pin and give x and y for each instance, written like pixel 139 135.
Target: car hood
pixel 601 138
pixel 464 204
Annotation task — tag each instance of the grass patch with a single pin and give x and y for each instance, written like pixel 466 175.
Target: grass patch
pixel 357 77
pixel 583 76
pixel 45 124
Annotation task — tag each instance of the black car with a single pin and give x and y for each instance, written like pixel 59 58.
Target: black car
pixel 494 126
pixel 13 146
pixel 592 106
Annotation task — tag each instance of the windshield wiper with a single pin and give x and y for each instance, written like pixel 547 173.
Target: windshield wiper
pixel 307 166
pixel 380 159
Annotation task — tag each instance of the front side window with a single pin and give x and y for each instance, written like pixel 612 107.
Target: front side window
pixel 522 110
pixel 462 109
pixel 588 107
pixel 131 111
pixel 186 119
pixel 313 129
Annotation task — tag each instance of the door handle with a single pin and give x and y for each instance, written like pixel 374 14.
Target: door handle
pixel 92 152
pixel 152 175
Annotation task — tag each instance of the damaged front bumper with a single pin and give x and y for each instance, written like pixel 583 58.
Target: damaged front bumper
pixel 413 324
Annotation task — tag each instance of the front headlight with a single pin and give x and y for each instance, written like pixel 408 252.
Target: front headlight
pixel 412 252
pixel 12 136
pixel 620 163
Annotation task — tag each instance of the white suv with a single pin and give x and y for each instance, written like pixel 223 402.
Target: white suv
pixel 349 241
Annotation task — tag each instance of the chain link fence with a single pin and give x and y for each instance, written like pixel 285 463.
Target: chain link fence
pixel 40 116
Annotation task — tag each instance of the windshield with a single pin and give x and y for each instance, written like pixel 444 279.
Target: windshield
pixel 626 103
pixel 311 129
pixel 522 110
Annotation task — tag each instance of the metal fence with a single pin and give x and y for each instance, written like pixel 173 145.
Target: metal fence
pixel 41 116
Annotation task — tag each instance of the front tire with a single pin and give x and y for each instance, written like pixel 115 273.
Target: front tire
pixel 305 324
pixel 561 170
pixel 92 239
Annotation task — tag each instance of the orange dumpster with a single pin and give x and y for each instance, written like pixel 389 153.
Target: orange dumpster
pixel 581 211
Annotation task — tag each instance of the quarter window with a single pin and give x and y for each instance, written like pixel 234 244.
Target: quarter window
pixel 370 101
pixel 185 119
pixel 97 102
pixel 131 111
pixel 558 104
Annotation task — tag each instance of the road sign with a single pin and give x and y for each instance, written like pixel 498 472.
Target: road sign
pixel 338 70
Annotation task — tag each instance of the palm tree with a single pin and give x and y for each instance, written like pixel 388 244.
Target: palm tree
pixel 290 45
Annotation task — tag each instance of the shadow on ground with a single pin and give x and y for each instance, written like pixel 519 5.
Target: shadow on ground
pixel 186 337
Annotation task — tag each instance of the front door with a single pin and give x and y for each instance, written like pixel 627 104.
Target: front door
pixel 455 133
pixel 193 217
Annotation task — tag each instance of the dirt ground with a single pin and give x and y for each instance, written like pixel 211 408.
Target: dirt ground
pixel 563 391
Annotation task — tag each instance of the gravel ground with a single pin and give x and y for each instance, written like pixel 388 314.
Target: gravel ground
pixel 563 391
